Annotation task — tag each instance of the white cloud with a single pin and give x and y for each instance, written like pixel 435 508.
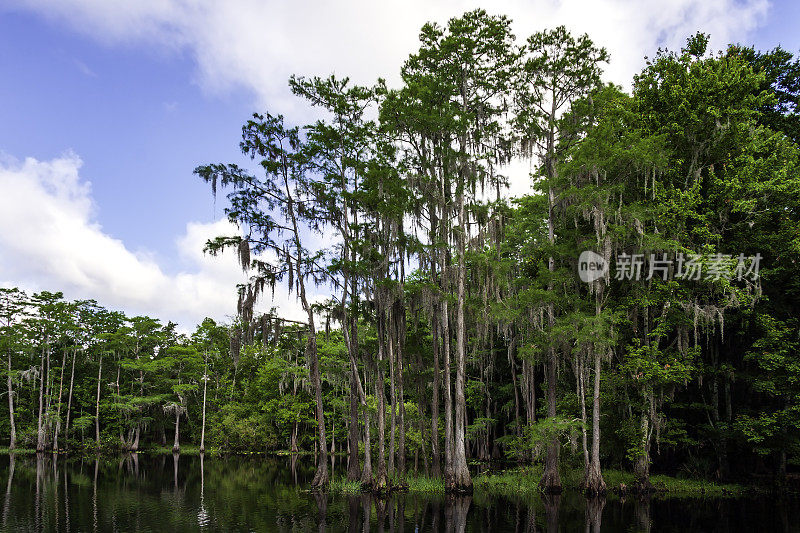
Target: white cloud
pixel 50 240
pixel 257 44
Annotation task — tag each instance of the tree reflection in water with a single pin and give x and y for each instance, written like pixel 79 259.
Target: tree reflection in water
pixel 141 492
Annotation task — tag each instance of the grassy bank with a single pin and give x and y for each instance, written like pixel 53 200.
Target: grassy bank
pixel 91 450
pixel 414 484
pixel 514 482
pixel 523 482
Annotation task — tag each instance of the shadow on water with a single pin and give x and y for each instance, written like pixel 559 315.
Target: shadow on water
pixel 133 492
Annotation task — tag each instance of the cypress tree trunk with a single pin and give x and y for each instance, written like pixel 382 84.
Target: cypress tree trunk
pixel 13 438
pixel 594 484
pixel 580 385
pixel 293 439
pixel 69 398
pixel 321 477
pixel 381 479
pixel 48 398
pixel 517 425
pixel 203 430
pixel 366 472
pixel 448 399
pixel 353 467
pixel 176 446
pixel 551 479
pixel 401 451
pixel 445 333
pixel 391 338
pixel 462 482
pixel 437 468
pixel 40 426
pixel 641 468
pixel 58 407
pixel 97 404
pixel 422 436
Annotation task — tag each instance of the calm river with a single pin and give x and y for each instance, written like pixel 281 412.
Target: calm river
pixel 166 493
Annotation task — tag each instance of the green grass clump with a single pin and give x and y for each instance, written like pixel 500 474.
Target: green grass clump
pixel 524 481
pixel 340 485
pixel 509 483
pixel 424 485
pixel 678 487
pixel 18 451
pixel 411 484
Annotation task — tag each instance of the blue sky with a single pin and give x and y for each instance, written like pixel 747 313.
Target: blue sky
pixel 106 108
pixel 134 115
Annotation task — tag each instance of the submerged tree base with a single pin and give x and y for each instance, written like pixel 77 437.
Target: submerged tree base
pixel 551 483
pixel 455 488
pixel 643 486
pixel 593 484
pixel 321 480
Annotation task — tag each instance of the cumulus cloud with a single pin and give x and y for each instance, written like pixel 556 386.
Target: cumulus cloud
pixel 50 240
pixel 256 45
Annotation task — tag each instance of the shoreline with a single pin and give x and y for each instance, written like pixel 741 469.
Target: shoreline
pixel 514 482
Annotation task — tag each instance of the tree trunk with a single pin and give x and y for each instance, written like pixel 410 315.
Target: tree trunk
pixel 40 426
pixel 594 485
pixel 448 400
pixel 437 467
pixel 551 479
pixel 176 446
pixel 366 472
pixel 293 439
pixel 381 480
pixel 391 337
pixel 580 384
pixel 203 430
pixel 401 452
pixel 13 440
pixel 641 468
pixel 321 476
pixel 312 357
pixel 69 398
pixel 97 404
pixel 422 439
pixel 462 482
pixel 48 398
pixel 528 387
pixel 58 407
pixel 353 467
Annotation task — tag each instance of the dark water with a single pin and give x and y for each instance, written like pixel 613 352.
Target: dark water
pixel 171 493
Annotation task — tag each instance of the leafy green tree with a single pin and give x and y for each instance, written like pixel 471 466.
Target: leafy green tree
pixel 287 188
pixel 558 69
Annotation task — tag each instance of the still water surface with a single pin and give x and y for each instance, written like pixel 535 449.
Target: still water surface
pixel 187 493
